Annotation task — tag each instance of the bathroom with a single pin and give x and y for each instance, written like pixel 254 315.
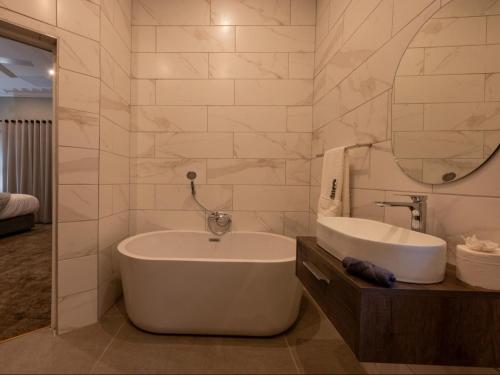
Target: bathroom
pixel 250 95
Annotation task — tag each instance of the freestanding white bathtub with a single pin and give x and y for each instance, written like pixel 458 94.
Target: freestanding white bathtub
pixel 242 283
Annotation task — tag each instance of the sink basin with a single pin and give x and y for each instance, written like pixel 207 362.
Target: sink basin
pixel 413 257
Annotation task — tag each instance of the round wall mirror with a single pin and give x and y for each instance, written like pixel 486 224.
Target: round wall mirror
pixel 446 100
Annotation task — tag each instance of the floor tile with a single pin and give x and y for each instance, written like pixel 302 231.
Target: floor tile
pixel 136 351
pixel 317 347
pixel 44 352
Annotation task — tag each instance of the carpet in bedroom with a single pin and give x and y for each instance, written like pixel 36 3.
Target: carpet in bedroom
pixel 25 281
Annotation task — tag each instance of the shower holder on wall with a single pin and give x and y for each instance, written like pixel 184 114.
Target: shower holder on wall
pixel 218 222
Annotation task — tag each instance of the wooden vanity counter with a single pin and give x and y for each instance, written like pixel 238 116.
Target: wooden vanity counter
pixel 450 323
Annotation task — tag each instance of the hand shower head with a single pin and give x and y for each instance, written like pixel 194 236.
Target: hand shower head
pixel 191 175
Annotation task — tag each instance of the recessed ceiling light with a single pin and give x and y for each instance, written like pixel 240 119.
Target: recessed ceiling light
pixel 51 72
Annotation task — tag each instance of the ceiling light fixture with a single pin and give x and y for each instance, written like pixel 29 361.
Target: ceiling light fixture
pixel 51 72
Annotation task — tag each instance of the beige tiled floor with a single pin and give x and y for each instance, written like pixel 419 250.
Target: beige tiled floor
pixel 115 346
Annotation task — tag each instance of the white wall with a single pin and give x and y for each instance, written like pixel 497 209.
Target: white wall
pixel 26 108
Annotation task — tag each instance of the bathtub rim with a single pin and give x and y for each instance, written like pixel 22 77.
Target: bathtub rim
pixel 121 247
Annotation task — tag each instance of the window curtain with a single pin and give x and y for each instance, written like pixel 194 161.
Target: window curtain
pixel 26 156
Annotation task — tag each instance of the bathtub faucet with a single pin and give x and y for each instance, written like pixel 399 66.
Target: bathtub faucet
pixel 218 222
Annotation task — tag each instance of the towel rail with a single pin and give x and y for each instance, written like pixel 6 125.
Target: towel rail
pixel 350 147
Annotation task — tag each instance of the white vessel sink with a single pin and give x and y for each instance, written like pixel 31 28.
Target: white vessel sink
pixel 413 257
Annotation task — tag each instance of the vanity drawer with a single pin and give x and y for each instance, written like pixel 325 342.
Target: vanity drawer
pixel 340 301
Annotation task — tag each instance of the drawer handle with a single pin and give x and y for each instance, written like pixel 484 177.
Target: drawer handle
pixel 317 273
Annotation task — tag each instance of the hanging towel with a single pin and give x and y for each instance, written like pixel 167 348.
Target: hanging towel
pixel 334 198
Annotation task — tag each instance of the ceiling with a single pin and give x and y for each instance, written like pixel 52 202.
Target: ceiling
pixel 24 70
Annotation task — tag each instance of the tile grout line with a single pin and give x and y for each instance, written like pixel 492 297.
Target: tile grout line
pixel 290 351
pixel 106 348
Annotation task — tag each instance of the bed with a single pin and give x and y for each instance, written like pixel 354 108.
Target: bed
pixel 17 213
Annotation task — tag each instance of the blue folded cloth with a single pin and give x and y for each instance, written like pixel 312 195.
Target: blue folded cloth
pixel 369 272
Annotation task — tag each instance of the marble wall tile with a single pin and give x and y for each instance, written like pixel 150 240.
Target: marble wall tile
pixel 77 310
pixel 301 65
pixel 357 14
pixel 493 29
pixel 165 171
pixel 442 144
pixel 440 89
pixel 270 198
pixel 303 12
pixel 273 92
pixel 406 10
pixel 433 170
pixel 296 224
pixel 143 92
pixel 142 221
pixel 112 41
pixel 482 183
pixel 43 10
pixel 114 76
pixel 465 8
pixel 142 145
pixel 254 221
pixel 451 32
pixel 250 12
pixel 79 16
pixel 462 59
pixel 78 202
pixel 272 145
pixel 367 39
pixel 412 63
pixel 248 65
pixel 142 197
pixel 491 141
pixel 408 117
pixel 363 204
pixel 322 20
pixel 299 119
pixel 77 275
pixel 239 119
pixel 275 39
pixel 77 128
pixel 143 39
pixel 329 47
pixel 178 197
pixel 78 54
pixel 195 39
pixel 77 239
pixel 194 145
pixel 121 198
pixel 78 91
pixel 377 169
pixel 462 116
pixel 246 171
pixel 114 138
pixel 170 65
pixel 298 172
pixel 78 165
pixel 492 91
pixel 105 200
pixel 172 12
pixel 168 119
pixel 195 92
pixel 113 169
pixel 114 107
pixel 112 229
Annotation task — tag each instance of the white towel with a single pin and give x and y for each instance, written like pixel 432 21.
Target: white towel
pixel 334 198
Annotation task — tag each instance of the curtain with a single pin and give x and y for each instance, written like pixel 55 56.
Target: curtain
pixel 26 155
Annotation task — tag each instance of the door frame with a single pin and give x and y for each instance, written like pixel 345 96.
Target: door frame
pixel 49 43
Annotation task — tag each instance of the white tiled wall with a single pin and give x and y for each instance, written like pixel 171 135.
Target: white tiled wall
pixel 359 45
pixel 224 88
pixel 94 41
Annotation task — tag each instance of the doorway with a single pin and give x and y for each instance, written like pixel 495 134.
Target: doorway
pixel 27 181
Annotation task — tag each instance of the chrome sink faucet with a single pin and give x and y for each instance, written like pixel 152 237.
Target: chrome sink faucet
pixel 418 209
